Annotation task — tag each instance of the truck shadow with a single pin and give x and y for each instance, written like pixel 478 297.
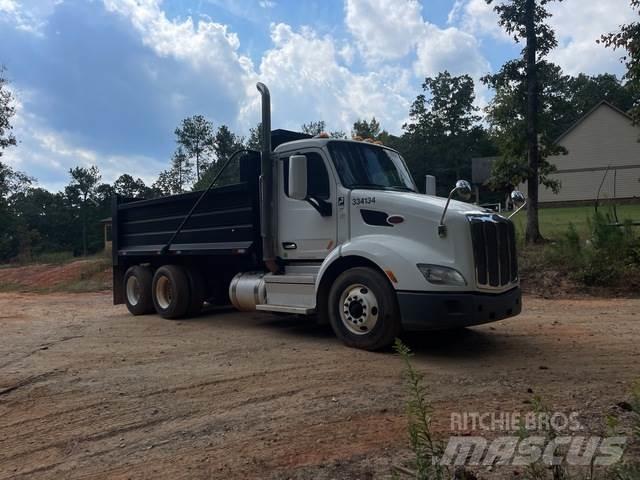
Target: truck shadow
pixel 463 343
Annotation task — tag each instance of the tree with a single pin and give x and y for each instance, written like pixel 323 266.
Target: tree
pixel 225 144
pixel 444 126
pixel 314 128
pixel 254 142
pixel 127 186
pixel 366 129
pixel 167 183
pixel 182 167
pixel 524 20
pixel 195 136
pixel 628 38
pixel 80 192
pixel 7 110
pixel 12 184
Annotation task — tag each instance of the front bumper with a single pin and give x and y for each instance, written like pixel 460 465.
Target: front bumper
pixel 442 311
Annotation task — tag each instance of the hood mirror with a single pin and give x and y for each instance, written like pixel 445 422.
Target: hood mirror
pixel 463 190
pixel 519 201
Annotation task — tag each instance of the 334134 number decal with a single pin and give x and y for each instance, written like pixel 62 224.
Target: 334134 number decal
pixel 363 201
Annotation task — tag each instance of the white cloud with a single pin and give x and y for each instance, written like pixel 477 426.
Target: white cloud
pixel 577 24
pixel 449 49
pixel 308 82
pixel 390 29
pixel 267 3
pixel 477 18
pixel 384 29
pixel 578 28
pixel 47 154
pixel 28 15
pixel 209 47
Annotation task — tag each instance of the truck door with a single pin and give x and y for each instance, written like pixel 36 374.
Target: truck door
pixel 307 228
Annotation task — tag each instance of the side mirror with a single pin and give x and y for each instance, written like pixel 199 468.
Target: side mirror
pixel 517 197
pixel 298 177
pixel 463 188
pixel 519 201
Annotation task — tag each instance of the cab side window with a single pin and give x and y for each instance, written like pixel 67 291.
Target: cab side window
pixel 317 176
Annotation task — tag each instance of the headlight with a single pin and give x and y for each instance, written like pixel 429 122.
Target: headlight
pixel 441 275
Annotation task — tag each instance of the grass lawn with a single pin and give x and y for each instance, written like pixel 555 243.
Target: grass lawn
pixel 555 221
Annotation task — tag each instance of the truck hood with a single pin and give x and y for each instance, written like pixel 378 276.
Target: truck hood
pixel 426 206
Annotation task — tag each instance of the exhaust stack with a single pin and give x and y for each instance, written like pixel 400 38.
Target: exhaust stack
pixel 266 183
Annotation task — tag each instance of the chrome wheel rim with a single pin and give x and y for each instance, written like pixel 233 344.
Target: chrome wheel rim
pixel 133 290
pixel 359 309
pixel 164 292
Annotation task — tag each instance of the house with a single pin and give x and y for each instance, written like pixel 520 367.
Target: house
pixel 603 160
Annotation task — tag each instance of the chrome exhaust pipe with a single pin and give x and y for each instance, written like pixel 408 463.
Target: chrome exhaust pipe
pixel 266 183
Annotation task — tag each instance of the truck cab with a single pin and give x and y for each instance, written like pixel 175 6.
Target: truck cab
pixel 346 236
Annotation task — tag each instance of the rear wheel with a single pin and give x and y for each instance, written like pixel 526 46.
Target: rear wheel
pixel 137 290
pixel 363 309
pixel 170 290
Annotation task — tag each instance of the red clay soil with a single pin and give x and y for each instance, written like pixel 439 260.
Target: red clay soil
pixel 88 391
pixel 44 277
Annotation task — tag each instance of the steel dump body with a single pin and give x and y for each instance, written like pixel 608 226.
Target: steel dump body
pixel 225 222
pixel 224 229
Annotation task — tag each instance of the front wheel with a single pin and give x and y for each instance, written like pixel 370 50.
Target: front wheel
pixel 363 309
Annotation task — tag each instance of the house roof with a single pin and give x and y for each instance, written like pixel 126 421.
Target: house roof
pixel 481 169
pixel 586 115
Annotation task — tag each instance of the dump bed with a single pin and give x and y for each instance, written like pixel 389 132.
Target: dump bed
pixel 226 221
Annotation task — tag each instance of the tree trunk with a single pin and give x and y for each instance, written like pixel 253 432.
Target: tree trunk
pixel 197 167
pixel 533 228
pixel 84 229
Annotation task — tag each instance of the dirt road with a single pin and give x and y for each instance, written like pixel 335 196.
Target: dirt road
pixel 87 391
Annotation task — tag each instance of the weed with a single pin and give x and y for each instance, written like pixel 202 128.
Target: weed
pixel 426 449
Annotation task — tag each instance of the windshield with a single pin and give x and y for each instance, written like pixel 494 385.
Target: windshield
pixel 362 165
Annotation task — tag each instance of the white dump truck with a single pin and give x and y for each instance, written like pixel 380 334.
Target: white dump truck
pixel 325 227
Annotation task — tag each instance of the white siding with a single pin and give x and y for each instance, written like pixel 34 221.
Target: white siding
pixel 605 138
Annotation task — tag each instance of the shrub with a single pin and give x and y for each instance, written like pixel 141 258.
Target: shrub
pixel 608 258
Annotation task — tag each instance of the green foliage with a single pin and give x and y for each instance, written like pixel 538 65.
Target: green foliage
pixel 426 448
pixel 443 129
pixel 366 129
pixel 507 116
pixel 195 135
pixel 7 110
pixel 225 144
pixel 628 39
pixel 318 127
pixel 254 142
pixel 609 258
pixel 314 128
pixel 127 186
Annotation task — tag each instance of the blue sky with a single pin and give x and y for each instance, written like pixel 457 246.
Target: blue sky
pixel 106 81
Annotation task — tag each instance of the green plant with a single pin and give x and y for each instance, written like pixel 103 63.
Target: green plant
pixel 608 258
pixel 427 450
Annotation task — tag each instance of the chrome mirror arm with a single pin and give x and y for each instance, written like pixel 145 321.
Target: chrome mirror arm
pixel 518 210
pixel 442 228
pixel 464 188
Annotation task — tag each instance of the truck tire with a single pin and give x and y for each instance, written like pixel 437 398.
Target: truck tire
pixel 197 291
pixel 363 309
pixel 137 290
pixel 170 290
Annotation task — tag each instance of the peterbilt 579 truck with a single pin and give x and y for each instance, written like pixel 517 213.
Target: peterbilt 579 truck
pixel 319 226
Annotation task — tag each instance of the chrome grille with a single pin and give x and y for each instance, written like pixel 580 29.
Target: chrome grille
pixel 494 250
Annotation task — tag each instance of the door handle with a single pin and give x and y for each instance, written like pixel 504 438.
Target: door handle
pixel 289 245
